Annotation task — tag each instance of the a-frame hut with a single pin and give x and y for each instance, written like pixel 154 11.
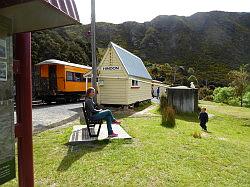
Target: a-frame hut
pixel 123 78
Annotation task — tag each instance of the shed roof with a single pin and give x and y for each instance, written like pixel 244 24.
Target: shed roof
pixel 132 63
pixel 53 61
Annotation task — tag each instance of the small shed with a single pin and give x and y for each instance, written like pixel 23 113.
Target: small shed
pixel 183 99
pixel 122 78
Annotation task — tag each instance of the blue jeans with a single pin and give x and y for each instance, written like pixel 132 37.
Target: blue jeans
pixel 107 116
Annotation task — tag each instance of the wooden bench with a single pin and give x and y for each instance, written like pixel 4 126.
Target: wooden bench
pixel 91 123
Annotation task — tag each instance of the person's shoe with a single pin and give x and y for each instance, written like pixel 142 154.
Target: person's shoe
pixel 117 122
pixel 113 135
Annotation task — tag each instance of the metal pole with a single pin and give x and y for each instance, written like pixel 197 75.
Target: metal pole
pixel 24 110
pixel 93 45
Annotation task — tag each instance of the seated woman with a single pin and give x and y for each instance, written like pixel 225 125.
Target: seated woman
pixel 98 114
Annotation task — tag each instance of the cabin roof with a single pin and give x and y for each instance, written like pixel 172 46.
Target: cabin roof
pixel 132 63
pixel 53 61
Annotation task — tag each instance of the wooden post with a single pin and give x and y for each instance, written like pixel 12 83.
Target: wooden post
pixel 24 111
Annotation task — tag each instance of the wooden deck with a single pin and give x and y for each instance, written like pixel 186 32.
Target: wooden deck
pixel 80 133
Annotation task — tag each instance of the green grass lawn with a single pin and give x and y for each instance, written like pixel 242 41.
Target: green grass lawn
pixel 156 156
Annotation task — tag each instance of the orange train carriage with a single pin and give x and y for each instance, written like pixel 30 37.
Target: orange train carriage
pixel 62 81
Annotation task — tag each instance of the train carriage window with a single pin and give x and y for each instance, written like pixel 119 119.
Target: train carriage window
pixel 75 77
pixel 78 77
pixel 70 76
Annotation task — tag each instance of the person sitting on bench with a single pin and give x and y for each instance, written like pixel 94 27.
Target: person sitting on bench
pixel 99 114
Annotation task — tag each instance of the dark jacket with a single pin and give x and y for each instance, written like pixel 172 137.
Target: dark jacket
pixel 203 117
pixel 90 107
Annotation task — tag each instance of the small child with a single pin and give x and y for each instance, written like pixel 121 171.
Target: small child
pixel 203 117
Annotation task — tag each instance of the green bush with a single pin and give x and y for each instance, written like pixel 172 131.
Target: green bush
pixel 246 99
pixel 167 113
pixel 234 102
pixel 223 95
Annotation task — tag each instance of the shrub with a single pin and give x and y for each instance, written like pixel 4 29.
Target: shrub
pixel 167 113
pixel 246 99
pixel 234 102
pixel 205 92
pixel 223 95
pixel 209 98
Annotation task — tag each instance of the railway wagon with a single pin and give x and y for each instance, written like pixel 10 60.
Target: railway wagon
pixel 62 81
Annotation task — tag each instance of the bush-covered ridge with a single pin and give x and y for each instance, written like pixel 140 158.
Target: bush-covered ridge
pixel 213 43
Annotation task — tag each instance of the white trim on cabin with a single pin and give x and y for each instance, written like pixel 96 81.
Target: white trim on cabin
pixel 130 78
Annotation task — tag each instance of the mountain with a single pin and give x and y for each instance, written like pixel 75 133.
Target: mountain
pixel 212 43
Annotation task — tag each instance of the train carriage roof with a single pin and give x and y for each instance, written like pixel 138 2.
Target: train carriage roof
pixel 59 62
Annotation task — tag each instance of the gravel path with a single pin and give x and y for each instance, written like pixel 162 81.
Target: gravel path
pixel 49 116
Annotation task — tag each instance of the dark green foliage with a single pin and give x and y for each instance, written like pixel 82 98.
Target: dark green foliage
pixel 167 113
pixel 62 44
pixel 211 43
pixel 206 94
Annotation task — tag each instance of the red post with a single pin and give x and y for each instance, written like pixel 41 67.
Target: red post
pixel 24 110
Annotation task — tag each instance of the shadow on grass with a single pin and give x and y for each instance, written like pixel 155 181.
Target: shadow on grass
pixel 189 117
pixel 168 125
pixel 76 151
pixel 124 113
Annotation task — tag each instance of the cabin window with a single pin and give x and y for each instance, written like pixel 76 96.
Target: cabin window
pixel 135 83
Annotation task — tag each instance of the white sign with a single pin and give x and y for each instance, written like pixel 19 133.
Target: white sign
pixel 3 71
pixel 111 68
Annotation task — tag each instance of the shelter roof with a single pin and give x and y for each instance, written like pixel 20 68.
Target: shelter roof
pixel 32 15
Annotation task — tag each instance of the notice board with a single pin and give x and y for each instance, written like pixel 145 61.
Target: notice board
pixel 7 137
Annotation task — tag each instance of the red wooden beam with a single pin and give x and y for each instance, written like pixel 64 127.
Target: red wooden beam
pixel 24 110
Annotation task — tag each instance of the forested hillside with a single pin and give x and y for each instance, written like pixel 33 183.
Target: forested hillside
pixel 211 43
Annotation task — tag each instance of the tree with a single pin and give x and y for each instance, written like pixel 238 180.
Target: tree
pixel 239 81
pixel 192 78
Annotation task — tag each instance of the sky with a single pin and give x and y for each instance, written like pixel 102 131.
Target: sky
pixel 119 11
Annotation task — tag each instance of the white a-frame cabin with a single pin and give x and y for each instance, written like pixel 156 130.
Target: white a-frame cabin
pixel 123 78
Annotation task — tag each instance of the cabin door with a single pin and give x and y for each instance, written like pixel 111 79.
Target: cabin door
pixel 52 78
